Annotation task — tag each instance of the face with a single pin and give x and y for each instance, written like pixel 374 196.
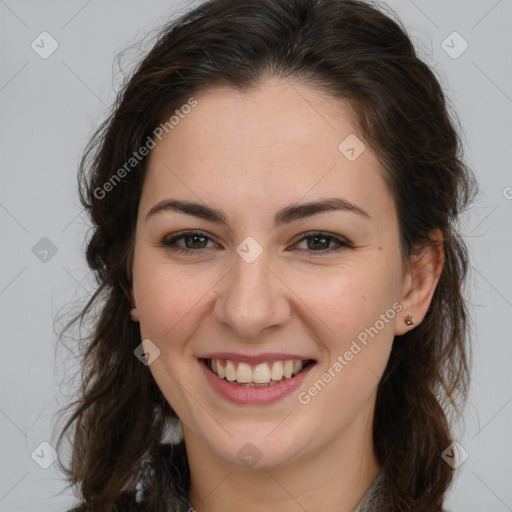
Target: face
pixel 262 280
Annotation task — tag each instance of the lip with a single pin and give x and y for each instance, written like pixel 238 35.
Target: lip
pixel 247 395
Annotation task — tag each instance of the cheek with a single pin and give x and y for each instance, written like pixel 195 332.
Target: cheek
pixel 169 302
pixel 359 305
pixel 349 297
pixel 360 308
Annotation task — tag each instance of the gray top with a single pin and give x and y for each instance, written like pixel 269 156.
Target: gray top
pixel 371 500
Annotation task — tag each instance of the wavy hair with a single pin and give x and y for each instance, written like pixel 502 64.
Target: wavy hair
pixel 359 54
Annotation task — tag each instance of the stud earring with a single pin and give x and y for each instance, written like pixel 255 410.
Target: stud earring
pixel 408 320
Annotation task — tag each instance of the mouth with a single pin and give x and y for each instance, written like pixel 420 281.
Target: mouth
pixel 261 375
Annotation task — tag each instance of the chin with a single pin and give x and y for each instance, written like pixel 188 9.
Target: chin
pixel 256 452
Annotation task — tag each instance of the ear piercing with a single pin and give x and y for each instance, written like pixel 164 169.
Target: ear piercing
pixel 408 320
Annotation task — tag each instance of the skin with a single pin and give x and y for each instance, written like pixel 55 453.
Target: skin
pixel 257 152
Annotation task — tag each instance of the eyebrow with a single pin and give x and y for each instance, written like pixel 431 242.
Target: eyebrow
pixel 284 216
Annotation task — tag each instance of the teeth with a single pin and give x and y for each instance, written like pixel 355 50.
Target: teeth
pixel 288 369
pixel 263 374
pixel 244 373
pixel 230 371
pixel 220 369
pixel 277 371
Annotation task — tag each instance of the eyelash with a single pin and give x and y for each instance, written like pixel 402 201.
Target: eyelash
pixel 170 242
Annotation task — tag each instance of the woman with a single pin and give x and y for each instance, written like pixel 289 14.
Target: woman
pixel 274 200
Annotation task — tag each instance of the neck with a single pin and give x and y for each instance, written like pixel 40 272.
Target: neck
pixel 334 477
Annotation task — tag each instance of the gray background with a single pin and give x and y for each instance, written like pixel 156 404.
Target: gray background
pixel 49 108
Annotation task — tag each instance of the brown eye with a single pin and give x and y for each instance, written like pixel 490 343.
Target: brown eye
pixel 323 242
pixel 193 241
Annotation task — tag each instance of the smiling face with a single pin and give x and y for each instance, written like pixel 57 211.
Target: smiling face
pixel 250 287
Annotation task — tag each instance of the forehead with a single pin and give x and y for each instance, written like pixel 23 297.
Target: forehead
pixel 278 116
pixel 276 142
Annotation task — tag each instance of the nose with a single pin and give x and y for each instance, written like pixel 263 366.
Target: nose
pixel 253 300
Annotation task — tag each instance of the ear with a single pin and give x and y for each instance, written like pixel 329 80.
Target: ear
pixel 134 314
pixel 420 281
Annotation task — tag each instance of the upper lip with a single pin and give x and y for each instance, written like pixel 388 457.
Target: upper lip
pixel 255 359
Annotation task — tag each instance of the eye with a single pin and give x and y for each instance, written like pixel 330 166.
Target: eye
pixel 194 241
pixel 320 243
pixel 197 241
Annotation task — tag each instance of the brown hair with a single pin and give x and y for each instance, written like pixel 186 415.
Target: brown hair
pixel 359 54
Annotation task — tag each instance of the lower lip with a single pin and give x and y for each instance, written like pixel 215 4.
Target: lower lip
pixel 248 395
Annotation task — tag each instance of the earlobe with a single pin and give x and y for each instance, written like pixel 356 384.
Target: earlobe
pixel 420 283
pixel 134 314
